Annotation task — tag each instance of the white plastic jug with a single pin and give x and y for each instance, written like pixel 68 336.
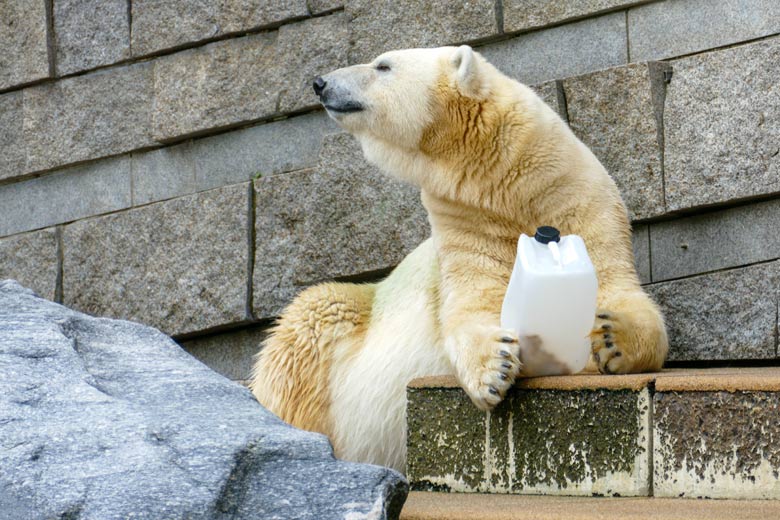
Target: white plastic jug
pixel 552 295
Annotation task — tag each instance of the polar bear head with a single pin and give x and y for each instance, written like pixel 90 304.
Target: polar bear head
pixel 403 101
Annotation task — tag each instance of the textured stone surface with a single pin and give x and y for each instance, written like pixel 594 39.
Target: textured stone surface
pixel 322 6
pixel 379 26
pixel 246 79
pixel 229 353
pixel 87 117
pixel 722 125
pixel 552 94
pixel 521 15
pixel 342 218
pixel 229 158
pixel 724 315
pixel 159 25
pixel 23 49
pixel 110 419
pixel 535 442
pixel 70 194
pixel 617 113
pixel 640 240
pixel 13 158
pixel 31 259
pixel 677 27
pixel 717 444
pixel 179 265
pixel 90 33
pixel 729 238
pixel 564 51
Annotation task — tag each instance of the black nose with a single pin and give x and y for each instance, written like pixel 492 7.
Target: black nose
pixel 319 85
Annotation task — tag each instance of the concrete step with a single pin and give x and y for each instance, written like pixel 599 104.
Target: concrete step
pixel 705 433
pixel 472 506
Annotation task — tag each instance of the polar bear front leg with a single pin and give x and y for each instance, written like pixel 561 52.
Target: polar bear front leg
pixel 629 335
pixel 485 357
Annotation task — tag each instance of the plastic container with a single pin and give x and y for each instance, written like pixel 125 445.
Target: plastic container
pixel 552 295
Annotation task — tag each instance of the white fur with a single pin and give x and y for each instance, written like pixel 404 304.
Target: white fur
pixel 368 392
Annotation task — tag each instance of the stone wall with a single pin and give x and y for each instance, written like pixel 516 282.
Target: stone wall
pixel 166 162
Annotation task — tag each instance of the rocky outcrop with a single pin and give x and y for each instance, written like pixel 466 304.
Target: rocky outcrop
pixel 106 419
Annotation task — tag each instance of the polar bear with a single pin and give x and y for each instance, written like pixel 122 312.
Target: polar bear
pixel 492 161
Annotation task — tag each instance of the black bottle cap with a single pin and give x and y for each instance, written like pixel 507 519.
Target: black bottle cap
pixel 547 234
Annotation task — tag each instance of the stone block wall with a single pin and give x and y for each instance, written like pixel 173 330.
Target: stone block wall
pixel 166 162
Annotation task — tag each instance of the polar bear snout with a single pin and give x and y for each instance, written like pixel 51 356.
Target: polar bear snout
pixel 319 85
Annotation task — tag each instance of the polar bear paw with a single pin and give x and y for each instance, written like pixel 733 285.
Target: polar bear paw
pixel 610 343
pixel 487 362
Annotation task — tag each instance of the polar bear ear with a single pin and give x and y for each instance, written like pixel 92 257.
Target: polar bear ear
pixel 466 65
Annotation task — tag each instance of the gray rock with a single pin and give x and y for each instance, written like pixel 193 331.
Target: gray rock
pixel 67 195
pixel 179 265
pixel 343 218
pixel 384 25
pixel 90 33
pixel 722 125
pixel 281 146
pixel 323 6
pixel 110 419
pixel 724 315
pixel 731 238
pixel 245 79
pixel 522 15
pixel 163 174
pixel 31 258
pixel 552 94
pixel 159 25
pixel 24 56
pixel 560 52
pixel 14 156
pixel 88 117
pixel 229 158
pixel 641 244
pixel 229 353
pixel 677 27
pixel 618 113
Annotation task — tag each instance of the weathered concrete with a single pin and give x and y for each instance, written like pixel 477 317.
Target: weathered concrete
pixel 384 25
pixel 677 27
pixel 718 240
pixel 322 6
pixel 87 117
pixel 159 25
pixel 716 444
pixel 70 194
pixel 724 315
pixel 618 113
pixel 342 218
pixel 179 265
pixel 24 55
pixel 245 79
pixel 31 259
pixel 541 441
pixel 722 125
pixel 110 419
pixel 229 353
pixel 563 51
pixel 522 15
pixel 90 33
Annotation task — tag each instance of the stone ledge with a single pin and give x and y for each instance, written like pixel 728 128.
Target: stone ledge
pixel 538 441
pixel 456 506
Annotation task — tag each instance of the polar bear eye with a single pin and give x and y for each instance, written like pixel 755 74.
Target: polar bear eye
pixel 384 67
